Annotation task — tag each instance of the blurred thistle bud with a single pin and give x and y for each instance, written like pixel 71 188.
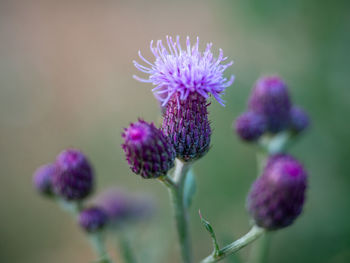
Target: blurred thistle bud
pixel 270 98
pixel 299 120
pixel 92 219
pixel 42 179
pixel 123 208
pixel 74 177
pixel 147 150
pixel 250 126
pixel 276 198
pixel 184 80
pixel 187 126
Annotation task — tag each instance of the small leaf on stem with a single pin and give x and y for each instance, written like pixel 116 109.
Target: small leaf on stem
pixel 209 228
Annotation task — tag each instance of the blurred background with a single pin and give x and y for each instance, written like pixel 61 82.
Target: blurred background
pixel 66 81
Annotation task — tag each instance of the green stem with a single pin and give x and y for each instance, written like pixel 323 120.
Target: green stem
pixel 248 238
pixel 125 247
pixel 176 192
pixel 259 252
pixel 98 244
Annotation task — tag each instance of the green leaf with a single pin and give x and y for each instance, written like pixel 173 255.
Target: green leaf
pixel 189 188
pixel 210 229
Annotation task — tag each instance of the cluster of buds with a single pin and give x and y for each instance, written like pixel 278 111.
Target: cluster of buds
pixel 277 196
pixel 70 180
pixel 270 111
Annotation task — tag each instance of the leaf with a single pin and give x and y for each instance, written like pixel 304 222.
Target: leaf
pixel 189 188
pixel 210 229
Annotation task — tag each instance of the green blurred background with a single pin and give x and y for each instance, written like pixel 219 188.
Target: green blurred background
pixel 66 81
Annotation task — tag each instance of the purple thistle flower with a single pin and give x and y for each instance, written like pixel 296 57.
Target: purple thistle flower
pixel 124 208
pixel 184 71
pixel 270 98
pixel 92 219
pixel 74 177
pixel 250 126
pixel 42 179
pixel 148 151
pixel 276 198
pixel 187 126
pixel 299 120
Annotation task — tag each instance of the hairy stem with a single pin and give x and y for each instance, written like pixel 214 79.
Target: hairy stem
pixel 125 247
pixel 98 244
pixel 176 191
pixel 248 238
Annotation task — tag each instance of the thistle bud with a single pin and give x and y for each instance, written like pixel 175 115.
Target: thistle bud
pixel 299 120
pixel 74 177
pixel 42 179
pixel 276 198
pixel 250 126
pixel 92 219
pixel 148 151
pixel 270 98
pixel 187 126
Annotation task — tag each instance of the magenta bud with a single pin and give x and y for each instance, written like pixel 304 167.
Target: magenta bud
pixel 276 198
pixel 299 120
pixel 147 150
pixel 250 126
pixel 74 177
pixel 42 179
pixel 92 219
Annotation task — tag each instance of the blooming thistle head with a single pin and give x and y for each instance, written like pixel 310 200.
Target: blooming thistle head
pixel 148 151
pixel 180 72
pixel 42 179
pixel 270 98
pixel 250 126
pixel 92 219
pixel 122 207
pixel 299 120
pixel 276 198
pixel 74 177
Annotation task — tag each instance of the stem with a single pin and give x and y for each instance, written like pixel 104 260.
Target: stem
pixel 176 190
pixel 248 238
pixel 97 242
pixel 259 252
pixel 125 247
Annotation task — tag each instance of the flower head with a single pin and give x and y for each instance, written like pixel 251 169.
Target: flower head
pixel 184 71
pixel 42 179
pixel 270 98
pixel 276 198
pixel 122 207
pixel 148 151
pixel 74 177
pixel 250 126
pixel 92 219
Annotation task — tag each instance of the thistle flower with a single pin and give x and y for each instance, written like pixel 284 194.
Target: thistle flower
pixel 92 219
pixel 270 98
pixel 74 177
pixel 299 120
pixel 42 179
pixel 122 207
pixel 184 71
pixel 250 126
pixel 276 198
pixel 148 151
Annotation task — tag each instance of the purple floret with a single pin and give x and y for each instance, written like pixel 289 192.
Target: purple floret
pixel 250 126
pixel 92 219
pixel 74 177
pixel 276 198
pixel 147 150
pixel 270 98
pixel 184 71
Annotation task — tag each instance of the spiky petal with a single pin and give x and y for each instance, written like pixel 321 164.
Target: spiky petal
pixel 276 198
pixel 188 126
pixel 148 152
pixel 184 71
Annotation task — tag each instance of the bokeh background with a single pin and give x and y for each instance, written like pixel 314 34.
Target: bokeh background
pixel 66 81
